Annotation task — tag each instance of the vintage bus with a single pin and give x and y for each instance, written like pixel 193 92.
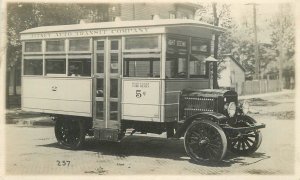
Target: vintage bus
pixel 111 79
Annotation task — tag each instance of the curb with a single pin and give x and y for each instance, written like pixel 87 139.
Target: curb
pixel 38 121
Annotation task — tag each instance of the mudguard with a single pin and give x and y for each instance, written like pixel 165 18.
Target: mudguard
pixel 213 116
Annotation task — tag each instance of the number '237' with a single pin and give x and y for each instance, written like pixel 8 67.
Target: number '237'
pixel 63 163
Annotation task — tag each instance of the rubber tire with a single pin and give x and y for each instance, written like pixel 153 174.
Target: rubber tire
pixel 221 135
pixel 80 133
pixel 257 142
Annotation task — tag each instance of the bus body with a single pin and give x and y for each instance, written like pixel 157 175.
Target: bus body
pixel 103 79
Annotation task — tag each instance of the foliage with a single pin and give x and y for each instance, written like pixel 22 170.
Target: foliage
pixel 238 39
pixel 283 37
pixel 22 16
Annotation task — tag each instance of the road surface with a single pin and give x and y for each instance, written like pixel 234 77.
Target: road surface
pixel 33 150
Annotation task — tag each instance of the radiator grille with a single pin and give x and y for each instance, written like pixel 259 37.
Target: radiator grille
pixel 193 105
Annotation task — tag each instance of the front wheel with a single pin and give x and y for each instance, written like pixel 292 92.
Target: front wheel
pixel 205 141
pixel 247 143
pixel 70 133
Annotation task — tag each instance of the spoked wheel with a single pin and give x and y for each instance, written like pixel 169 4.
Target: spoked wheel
pixel 205 141
pixel 247 143
pixel 70 134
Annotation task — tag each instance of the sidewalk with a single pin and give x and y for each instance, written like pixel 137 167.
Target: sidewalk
pixel 22 118
pixel 283 92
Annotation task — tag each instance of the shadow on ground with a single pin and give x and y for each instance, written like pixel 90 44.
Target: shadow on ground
pixel 156 147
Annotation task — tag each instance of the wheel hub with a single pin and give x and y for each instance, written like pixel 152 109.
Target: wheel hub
pixel 203 141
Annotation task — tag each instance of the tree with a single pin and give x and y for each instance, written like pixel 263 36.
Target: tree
pixel 217 15
pixel 22 16
pixel 283 41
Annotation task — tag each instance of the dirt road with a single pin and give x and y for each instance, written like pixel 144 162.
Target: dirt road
pixel 33 150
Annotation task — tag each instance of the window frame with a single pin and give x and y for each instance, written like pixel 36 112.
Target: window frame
pixel 36 58
pixel 177 55
pixel 53 58
pixel 56 52
pixel 158 49
pixel 151 61
pixel 33 53
pixel 84 56
pixel 79 52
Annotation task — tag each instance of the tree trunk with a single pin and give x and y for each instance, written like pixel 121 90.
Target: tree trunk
pixel 216 47
pixel 14 81
pixel 7 89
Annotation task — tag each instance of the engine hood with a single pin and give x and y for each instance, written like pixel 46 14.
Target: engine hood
pixel 212 93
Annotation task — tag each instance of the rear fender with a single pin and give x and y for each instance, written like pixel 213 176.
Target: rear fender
pixel 213 116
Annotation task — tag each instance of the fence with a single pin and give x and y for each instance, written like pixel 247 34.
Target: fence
pixel 260 86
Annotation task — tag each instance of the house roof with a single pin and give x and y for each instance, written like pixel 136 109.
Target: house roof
pixel 235 61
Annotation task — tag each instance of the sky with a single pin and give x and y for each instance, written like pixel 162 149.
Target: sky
pixel 264 11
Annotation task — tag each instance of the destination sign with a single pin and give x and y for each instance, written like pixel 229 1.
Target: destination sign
pixel 176 46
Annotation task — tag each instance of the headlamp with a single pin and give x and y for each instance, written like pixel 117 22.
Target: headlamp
pixel 245 107
pixel 231 109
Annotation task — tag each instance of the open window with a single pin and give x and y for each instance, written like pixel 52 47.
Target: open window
pixel 79 67
pixel 200 50
pixel 176 67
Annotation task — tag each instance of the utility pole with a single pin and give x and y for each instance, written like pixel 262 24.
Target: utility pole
pixel 256 53
pixel 257 62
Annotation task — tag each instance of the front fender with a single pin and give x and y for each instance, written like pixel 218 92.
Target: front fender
pixel 213 116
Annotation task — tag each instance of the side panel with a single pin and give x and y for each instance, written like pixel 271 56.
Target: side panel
pixel 141 100
pixel 172 95
pixel 68 96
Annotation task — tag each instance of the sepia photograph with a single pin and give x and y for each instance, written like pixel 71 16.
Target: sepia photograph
pixel 99 88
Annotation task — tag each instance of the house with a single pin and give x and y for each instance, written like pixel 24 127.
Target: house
pixel 147 11
pixel 233 74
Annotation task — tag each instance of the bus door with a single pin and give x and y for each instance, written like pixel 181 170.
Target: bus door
pixel 107 70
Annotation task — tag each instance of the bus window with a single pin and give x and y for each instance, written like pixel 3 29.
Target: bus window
pixel 176 67
pixel 100 45
pixel 144 67
pixel 177 53
pixel 100 62
pixel 100 85
pixel 114 45
pixel 55 66
pixel 33 46
pixel 55 46
pixel 200 46
pixel 79 67
pixel 113 111
pixel 197 66
pixel 79 44
pixel 114 59
pixel 144 42
pixel 33 67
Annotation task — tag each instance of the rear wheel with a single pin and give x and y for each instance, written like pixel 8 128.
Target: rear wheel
pixel 205 141
pixel 247 143
pixel 70 133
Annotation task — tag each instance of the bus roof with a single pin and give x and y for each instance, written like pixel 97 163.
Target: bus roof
pixel 125 24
